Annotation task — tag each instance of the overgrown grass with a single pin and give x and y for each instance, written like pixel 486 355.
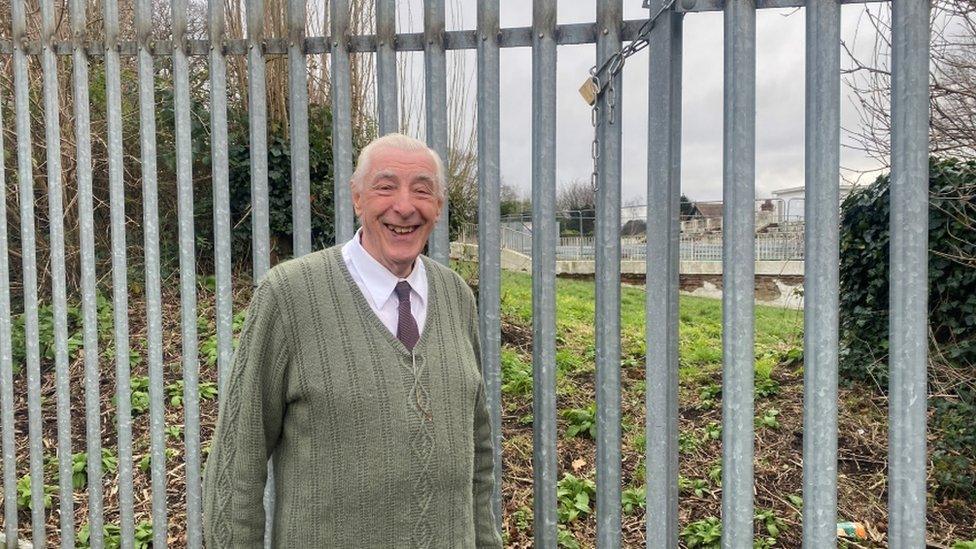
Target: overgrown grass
pixel 777 341
pixel 778 331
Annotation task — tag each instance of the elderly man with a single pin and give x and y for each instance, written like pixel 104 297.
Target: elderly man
pixel 358 372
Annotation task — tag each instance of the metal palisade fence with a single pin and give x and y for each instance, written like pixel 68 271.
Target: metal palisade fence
pixel 910 32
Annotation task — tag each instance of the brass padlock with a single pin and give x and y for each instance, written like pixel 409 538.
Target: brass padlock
pixel 590 90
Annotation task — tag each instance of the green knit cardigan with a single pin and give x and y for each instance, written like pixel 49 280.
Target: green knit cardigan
pixel 372 445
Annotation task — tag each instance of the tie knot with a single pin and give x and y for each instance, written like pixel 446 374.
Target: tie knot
pixel 403 290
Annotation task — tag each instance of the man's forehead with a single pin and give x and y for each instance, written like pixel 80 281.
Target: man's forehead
pixel 414 175
pixel 391 157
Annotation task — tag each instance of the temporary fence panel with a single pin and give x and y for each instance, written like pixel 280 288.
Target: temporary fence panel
pixel 662 247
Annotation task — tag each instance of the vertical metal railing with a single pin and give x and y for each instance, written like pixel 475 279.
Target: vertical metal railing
pixel 52 141
pixel 909 272
pixel 435 79
pixel 489 229
pixel 544 234
pixel 6 367
pixel 257 119
pixel 154 328
pixel 822 274
pixel 739 249
pixel 387 102
pixel 341 120
pixel 188 279
pixel 738 271
pixel 120 292
pixel 221 189
pixel 25 179
pixel 86 222
pixel 609 119
pixel 298 128
pixel 663 190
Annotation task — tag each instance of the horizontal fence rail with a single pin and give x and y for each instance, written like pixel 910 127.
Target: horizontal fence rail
pixel 520 37
pixel 747 231
pixel 769 247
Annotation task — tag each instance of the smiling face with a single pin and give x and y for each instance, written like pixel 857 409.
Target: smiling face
pixel 398 205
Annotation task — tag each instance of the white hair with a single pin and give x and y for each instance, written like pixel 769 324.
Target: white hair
pixel 400 142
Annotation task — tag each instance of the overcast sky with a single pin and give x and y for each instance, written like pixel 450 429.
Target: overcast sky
pixel 779 97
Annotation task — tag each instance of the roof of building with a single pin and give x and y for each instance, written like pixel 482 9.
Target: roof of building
pixel 709 209
pixel 844 186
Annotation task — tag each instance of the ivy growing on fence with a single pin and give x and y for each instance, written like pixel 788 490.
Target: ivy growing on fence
pixel 864 271
pixel 865 266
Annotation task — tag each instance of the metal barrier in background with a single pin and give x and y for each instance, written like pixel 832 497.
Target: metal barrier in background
pixel 775 246
pixel 908 228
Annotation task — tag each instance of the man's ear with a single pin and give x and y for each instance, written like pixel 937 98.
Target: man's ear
pixel 440 209
pixel 356 198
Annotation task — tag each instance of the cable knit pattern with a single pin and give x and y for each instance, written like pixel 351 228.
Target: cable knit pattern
pixel 373 445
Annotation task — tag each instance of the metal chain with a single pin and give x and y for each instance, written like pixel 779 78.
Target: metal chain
pixel 601 79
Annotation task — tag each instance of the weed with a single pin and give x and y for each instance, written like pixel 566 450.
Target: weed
pixel 207 391
pixel 964 545
pixel 566 539
pixel 704 534
pixel 713 431
pixel 574 497
pixel 708 396
pixel 640 443
pixel 144 535
pixel 797 502
pixel 568 361
pixel 767 518
pixel 633 499
pixel 687 443
pixel 522 518
pixel 768 419
pixel 516 374
pixel 146 462
pixel 632 361
pixel 110 462
pixel 79 466
pixel 175 432
pixel 581 420
pixel 715 474
pixel 208 350
pixel 45 334
pixel 766 387
pixel 111 536
pixel 79 470
pixel 696 486
pixel 139 391
pixel 24 498
pixel 135 358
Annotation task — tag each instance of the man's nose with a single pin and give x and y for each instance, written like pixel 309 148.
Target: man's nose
pixel 403 205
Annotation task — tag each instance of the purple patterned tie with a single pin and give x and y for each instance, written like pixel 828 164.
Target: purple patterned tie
pixel 407 331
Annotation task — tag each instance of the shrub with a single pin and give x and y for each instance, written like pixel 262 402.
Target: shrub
pixel 953 463
pixel 864 271
pixel 865 266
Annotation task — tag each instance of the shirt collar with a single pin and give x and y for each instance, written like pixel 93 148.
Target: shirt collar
pixel 379 281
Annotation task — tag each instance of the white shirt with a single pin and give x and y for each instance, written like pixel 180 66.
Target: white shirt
pixel 377 284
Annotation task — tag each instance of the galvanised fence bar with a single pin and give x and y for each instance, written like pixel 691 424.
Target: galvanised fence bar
pixel 821 283
pixel 662 245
